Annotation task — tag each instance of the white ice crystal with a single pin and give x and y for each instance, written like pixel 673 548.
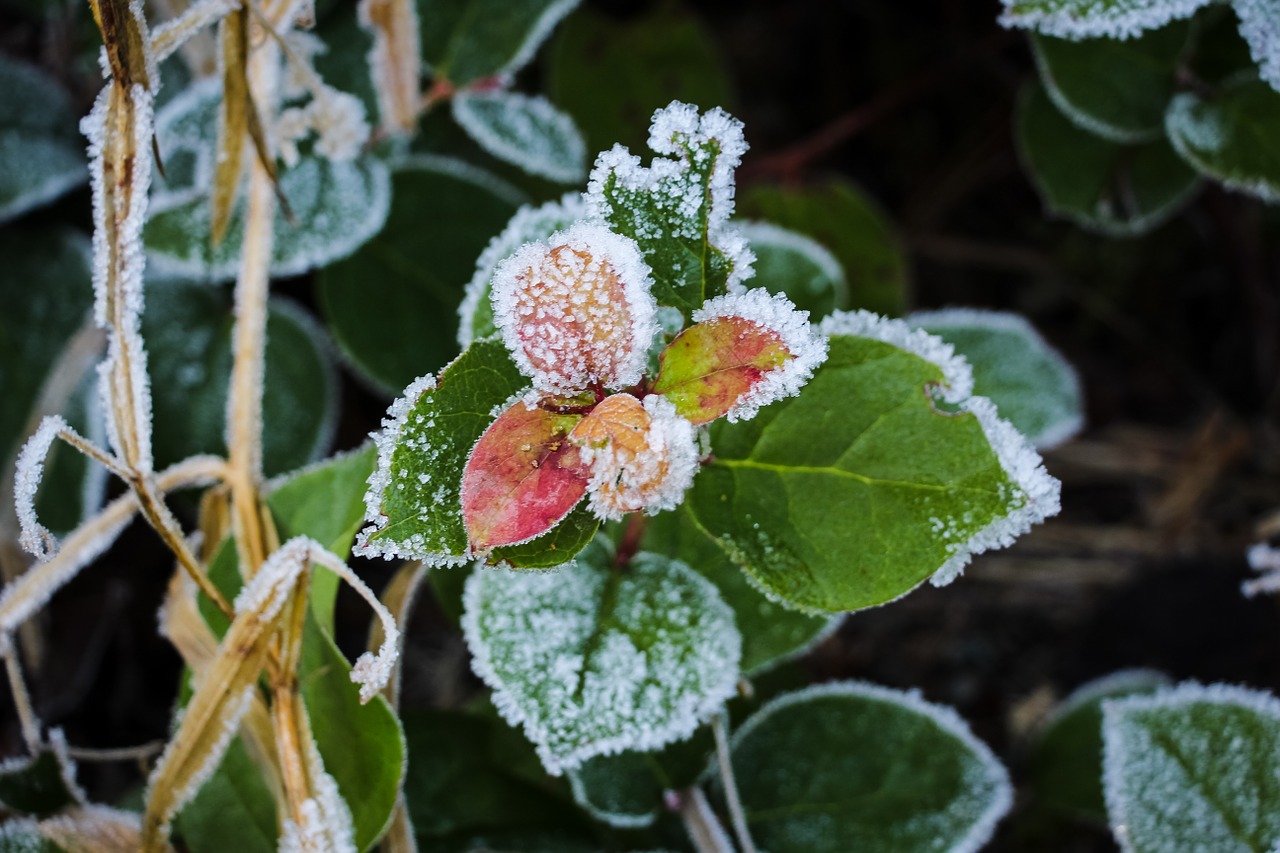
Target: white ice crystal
pixel 326 826
pixel 576 310
pixel 1081 19
pixel 776 314
pixel 956 373
pixel 1260 27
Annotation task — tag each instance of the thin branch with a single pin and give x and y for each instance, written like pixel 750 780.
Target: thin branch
pixel 737 817
pixel 700 822
pixel 141 753
pixel 27 718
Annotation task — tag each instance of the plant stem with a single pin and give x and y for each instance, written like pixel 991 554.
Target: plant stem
pixel 285 708
pixel 29 723
pixel 700 822
pixel 737 817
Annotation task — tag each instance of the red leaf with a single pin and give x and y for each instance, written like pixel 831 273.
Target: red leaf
pixel 711 367
pixel 522 478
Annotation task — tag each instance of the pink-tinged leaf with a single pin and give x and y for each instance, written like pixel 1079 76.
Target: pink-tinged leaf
pixel 709 367
pixel 522 478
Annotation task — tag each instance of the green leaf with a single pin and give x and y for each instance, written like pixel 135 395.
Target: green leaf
pixel 41 154
pixel 234 809
pixel 41 784
pixel 859 489
pixel 459 783
pixel 623 790
pixel 1083 19
pixel 845 220
pixel 677 209
pixel 1117 89
pixel 1118 190
pixel 362 745
pixel 611 75
pixel 391 305
pixel 344 63
pixel 851 766
pixel 1032 385
pixel 336 206
pixel 466 40
pixel 187 327
pixel 771 633
pixel 45 295
pixel 1066 758
pixel 1194 768
pixel 325 502
pixel 530 224
pixel 591 660
pixel 794 264
pixel 1233 138
pixel 526 131
pixel 73 486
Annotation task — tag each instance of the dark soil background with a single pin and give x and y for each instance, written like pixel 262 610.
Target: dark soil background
pixel 1175 336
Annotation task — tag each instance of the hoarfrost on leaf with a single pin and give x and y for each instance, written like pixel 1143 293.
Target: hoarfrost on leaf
pixel 677 208
pixel 40 156
pixel 592 661
pixel 798 265
pixel 576 311
pixel 1232 136
pixel 1193 767
pixel 526 131
pixel 816 768
pixel 1080 19
pixel 530 224
pixel 1260 27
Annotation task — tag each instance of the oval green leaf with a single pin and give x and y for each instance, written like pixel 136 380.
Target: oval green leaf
pixel 1234 137
pixel 525 131
pixel 860 488
pixel 798 266
pixel 41 153
pixel 851 766
pixel 464 42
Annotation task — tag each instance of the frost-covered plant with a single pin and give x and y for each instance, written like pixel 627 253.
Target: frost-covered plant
pixel 1139 100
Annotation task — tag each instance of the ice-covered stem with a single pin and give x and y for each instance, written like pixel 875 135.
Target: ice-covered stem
pixel 27 719
pixel 700 822
pixel 737 817
pixel 286 705
pixel 180 32
pixel 395 60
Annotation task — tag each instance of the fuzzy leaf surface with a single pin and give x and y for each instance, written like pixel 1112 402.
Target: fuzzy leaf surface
pixel 843 218
pixel 1234 138
pixel 849 766
pixel 466 40
pixel 713 364
pixel 1115 89
pixel 1033 386
pixel 857 490
pixel 1194 768
pixel 593 661
pixel 391 305
pixel 1066 757
pixel 1118 190
pixel 41 153
pixel 337 206
pixel 525 131
pixel 522 477
pixel 188 327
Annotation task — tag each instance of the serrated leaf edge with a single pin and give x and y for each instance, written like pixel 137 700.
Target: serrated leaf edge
pixel 1115 755
pixel 944 716
pixel 680 728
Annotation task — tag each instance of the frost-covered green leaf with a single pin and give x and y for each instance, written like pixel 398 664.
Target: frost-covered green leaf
pixel 850 766
pixel 770 632
pixel 1234 137
pixel 336 206
pixel 461 783
pixel 677 209
pixel 468 41
pixel 527 131
pixel 391 305
pixel 41 153
pixel 859 489
pixel 1194 767
pixel 591 660
pixel 325 502
pixel 799 266
pixel 842 218
pixel 45 295
pixel 187 327
pixel 1081 19
pixel 1032 385
pixel 1260 27
pixel 621 790
pixel 234 809
pixel 1117 89
pixel 1119 190
pixel 1066 757
pixel 42 784
pixel 611 73
pixel 414 501
pixel 23 836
